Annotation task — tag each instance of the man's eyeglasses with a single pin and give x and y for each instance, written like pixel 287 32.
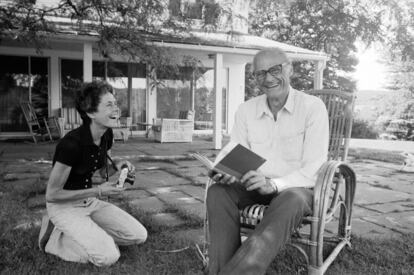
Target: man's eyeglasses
pixel 273 71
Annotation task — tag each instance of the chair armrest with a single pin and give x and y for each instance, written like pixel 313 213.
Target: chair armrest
pixel 325 179
pixel 331 176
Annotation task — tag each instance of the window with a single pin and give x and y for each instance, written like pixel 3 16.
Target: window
pixel 72 78
pixel 24 78
pixel 129 83
pixel 205 10
pixel 127 79
pixel 204 99
pixel 176 92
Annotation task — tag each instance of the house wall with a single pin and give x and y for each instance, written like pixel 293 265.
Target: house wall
pixel 60 49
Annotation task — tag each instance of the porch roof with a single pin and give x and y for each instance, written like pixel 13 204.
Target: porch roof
pixel 213 42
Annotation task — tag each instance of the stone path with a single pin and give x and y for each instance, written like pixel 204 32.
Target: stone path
pixel 384 203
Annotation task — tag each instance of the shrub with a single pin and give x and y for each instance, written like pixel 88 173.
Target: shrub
pixel 362 129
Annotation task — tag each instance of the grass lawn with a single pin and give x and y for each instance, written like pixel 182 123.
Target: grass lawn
pixel 163 253
pixel 376 154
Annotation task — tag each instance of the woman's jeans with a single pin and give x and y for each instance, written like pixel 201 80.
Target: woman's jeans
pixel 89 230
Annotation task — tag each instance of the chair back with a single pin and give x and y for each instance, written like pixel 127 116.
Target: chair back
pixel 29 114
pixel 188 114
pixel 71 118
pixel 339 105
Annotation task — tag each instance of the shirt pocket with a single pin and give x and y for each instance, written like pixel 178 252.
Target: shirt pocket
pixel 291 146
pixel 260 142
pixel 258 132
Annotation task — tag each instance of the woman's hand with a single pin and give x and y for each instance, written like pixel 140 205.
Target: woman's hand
pixel 109 188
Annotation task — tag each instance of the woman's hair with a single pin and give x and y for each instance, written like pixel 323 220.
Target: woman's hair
pixel 89 96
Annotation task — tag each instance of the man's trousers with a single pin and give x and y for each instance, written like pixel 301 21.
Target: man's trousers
pixel 226 253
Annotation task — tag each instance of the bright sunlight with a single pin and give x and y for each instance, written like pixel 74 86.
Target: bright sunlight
pixel 370 73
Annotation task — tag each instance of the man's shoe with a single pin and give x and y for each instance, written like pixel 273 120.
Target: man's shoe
pixel 45 231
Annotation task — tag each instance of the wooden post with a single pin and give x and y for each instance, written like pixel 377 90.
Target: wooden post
pixel 218 84
pixel 318 77
pixel 87 62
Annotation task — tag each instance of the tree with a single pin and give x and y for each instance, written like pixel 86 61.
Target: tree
pixel 320 25
pixel 123 27
pixel 398 54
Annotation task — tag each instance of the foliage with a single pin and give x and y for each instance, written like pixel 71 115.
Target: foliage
pixel 122 27
pixel 362 129
pixel 322 25
pixel 398 18
pixel 398 53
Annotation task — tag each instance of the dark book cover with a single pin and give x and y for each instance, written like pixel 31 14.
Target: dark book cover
pixel 239 161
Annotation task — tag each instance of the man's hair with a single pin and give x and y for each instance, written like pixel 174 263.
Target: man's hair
pixel 271 53
pixel 89 96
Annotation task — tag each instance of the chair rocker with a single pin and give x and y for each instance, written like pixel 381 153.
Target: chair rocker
pixel 334 190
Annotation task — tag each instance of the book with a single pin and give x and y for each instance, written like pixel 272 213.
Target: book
pixel 235 160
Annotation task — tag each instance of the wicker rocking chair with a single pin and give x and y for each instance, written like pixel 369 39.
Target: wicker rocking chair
pixel 334 190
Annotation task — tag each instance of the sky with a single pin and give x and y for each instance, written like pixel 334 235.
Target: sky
pixel 370 73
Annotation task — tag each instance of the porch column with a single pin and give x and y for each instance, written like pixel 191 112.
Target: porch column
pixel 236 92
pixel 218 84
pixel 318 77
pixel 130 97
pixel 87 62
pixel 151 103
pixel 55 93
pixel 192 91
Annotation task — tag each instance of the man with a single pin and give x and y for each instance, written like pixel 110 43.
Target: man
pixel 290 130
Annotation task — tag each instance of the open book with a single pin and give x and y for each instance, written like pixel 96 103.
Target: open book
pixel 235 160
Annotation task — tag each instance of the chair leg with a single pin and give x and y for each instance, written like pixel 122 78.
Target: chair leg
pixel 313 270
pixel 33 134
pixel 47 129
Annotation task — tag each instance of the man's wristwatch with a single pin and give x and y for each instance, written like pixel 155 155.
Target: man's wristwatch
pixel 273 184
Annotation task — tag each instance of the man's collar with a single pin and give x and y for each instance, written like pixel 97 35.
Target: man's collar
pixel 263 107
pixel 290 102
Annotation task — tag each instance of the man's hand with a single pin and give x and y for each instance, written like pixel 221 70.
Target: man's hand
pixel 221 178
pixel 109 188
pixel 254 180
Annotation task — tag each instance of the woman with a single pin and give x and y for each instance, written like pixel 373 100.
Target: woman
pixel 87 229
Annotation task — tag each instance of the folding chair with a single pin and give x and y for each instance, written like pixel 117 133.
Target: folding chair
pixel 334 190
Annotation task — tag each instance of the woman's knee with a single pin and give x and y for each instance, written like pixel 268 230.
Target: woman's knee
pixel 134 234
pixel 105 258
pixel 140 235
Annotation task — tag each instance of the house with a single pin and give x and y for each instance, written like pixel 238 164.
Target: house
pixel 48 78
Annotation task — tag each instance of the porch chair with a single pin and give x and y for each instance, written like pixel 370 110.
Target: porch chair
pixel 69 119
pixel 334 190
pixel 174 130
pixel 123 130
pixel 39 127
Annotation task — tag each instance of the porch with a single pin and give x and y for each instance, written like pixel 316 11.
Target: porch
pixel 49 79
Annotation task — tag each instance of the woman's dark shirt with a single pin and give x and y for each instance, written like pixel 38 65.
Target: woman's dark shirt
pixel 77 150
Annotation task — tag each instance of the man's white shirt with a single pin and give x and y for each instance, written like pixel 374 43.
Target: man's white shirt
pixel 295 145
